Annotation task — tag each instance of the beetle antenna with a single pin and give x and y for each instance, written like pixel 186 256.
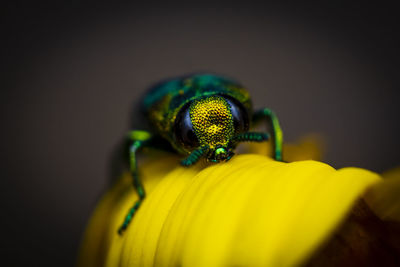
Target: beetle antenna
pixel 194 156
pixel 251 137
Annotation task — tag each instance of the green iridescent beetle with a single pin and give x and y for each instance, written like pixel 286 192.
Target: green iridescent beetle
pixel 200 116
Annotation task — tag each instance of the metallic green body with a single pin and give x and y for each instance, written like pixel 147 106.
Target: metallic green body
pixel 163 101
pixel 212 122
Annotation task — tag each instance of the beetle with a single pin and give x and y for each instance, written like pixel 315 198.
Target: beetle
pixel 199 116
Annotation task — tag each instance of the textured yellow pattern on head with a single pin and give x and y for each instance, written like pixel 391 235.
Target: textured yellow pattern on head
pixel 212 121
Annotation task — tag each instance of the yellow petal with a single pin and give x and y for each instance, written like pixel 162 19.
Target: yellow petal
pixel 384 198
pixel 249 211
pixel 100 243
pixel 311 146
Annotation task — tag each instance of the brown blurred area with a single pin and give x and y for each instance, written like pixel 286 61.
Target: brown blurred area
pixel 73 74
pixel 362 240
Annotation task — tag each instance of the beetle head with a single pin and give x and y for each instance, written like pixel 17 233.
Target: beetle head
pixel 211 122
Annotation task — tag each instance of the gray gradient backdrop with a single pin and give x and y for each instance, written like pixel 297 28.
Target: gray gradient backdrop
pixel 73 72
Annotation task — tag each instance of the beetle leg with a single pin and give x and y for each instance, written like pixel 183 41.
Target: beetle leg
pixel 139 140
pixel 277 135
pixel 194 156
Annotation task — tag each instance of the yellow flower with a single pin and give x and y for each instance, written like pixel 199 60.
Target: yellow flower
pixel 250 211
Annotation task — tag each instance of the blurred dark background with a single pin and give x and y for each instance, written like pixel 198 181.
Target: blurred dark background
pixel 71 73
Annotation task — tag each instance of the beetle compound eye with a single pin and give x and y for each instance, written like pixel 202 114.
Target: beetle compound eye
pixel 183 129
pixel 239 114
